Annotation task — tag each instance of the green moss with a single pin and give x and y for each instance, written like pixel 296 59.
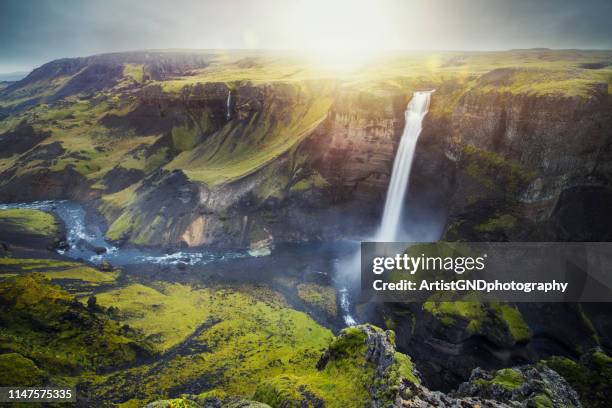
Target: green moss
pixel 541 81
pixel 237 336
pixel 588 323
pixel 239 149
pixel 320 296
pixel 122 226
pixel 503 222
pixel 29 221
pixel 405 367
pixel 17 370
pixel 36 265
pixel 495 172
pixel 157 159
pixel 542 401
pixel 508 378
pixel 493 319
pixel 345 379
pixel 134 71
pixel 591 377
pixel 513 319
pixel 175 403
pixel 286 392
pixel 147 233
pixel 185 137
pixel 389 323
pixel 167 314
pixel 44 323
pixel 349 345
pixel 56 270
pixel 114 204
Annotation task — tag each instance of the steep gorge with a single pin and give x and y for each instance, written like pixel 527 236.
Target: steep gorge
pixel 171 161
pixel 305 159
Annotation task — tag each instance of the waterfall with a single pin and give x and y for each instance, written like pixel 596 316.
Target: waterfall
pixel 228 114
pixel 350 266
pixel 415 112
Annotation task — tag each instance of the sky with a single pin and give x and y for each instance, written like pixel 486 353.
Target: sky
pixel 33 32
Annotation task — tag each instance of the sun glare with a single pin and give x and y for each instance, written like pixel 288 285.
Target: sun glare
pixel 340 35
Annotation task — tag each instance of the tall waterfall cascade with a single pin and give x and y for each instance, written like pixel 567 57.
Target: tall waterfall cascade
pixel 228 114
pixel 402 165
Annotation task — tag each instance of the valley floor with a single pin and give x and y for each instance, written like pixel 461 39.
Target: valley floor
pixel 224 333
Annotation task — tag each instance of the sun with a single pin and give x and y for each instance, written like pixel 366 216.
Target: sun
pixel 341 34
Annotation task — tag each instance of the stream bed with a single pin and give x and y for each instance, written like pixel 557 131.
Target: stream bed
pixel 86 242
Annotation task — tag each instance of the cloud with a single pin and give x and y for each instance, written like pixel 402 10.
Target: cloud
pixel 36 31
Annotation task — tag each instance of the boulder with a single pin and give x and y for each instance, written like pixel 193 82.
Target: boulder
pixel 524 386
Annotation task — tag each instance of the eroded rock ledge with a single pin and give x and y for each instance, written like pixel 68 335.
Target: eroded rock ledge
pixel 367 357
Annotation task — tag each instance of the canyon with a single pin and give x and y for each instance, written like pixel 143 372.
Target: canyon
pixel 179 151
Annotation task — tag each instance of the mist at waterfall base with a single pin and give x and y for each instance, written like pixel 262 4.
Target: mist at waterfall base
pixel 403 220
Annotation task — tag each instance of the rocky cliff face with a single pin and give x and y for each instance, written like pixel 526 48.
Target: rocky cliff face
pixel 511 167
pixel 339 167
pixel 522 157
pixel 287 160
pixel 355 147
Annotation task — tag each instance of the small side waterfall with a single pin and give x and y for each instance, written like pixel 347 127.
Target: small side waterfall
pixel 345 306
pixel 415 113
pixel 228 113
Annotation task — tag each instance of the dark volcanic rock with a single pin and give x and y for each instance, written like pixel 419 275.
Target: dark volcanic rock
pixel 20 140
pixel 582 213
pixel 526 386
pixel 119 178
pixel 13 236
pixel 417 396
pixel 44 184
pixel 95 77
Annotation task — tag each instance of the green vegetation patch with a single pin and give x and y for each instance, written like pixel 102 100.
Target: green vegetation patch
pixel 167 313
pixel 185 137
pixel 29 221
pixel 45 324
pixel 230 339
pixel 508 378
pixel 241 148
pixel 345 376
pixel 568 82
pixel 320 296
pixel 495 172
pixel 503 222
pixel 122 226
pixel 496 320
pixel 134 71
pixel 591 377
pixel 16 369
pixel 86 277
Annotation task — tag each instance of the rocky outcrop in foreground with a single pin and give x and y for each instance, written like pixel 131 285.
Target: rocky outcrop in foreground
pixel 525 386
pixel 366 355
pixel 210 402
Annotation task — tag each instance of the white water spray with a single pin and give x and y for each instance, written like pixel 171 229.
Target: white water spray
pixel 228 114
pixel 415 113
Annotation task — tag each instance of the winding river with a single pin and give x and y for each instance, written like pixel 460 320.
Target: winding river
pixel 87 242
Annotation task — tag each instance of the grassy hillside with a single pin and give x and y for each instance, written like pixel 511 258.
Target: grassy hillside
pixel 136 118
pixel 239 147
pixel 29 222
pixel 133 343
